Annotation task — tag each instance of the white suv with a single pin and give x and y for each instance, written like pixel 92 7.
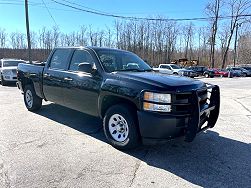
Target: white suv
pixel 8 70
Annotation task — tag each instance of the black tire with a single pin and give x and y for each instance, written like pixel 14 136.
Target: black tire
pixel 206 75
pixel 132 139
pixel 175 73
pixel 3 82
pixel 244 74
pixel 36 103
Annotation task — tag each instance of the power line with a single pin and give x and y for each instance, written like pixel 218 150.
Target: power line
pixel 49 13
pixel 93 11
pixel 19 3
pixel 84 6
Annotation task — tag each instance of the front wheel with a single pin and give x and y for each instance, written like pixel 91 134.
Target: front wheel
pixel 31 100
pixel 3 82
pixel 120 127
pixel 206 75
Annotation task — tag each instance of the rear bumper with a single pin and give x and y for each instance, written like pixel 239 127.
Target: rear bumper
pixel 156 127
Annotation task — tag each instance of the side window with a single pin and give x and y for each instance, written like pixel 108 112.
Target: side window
pixel 80 56
pixel 164 67
pixel 59 59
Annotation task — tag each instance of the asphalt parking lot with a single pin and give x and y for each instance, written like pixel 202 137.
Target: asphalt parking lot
pixel 60 147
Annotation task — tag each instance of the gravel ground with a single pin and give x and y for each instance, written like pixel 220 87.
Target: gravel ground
pixel 60 147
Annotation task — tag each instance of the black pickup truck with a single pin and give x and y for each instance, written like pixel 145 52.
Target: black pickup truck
pixel 135 103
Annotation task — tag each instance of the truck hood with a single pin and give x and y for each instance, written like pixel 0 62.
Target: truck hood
pixel 177 83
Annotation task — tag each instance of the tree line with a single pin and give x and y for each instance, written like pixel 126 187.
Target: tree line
pixel 156 42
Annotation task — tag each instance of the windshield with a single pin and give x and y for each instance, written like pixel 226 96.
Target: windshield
pixel 237 69
pixel 115 60
pixel 175 66
pixel 11 63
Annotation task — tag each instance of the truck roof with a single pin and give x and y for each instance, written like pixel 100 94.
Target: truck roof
pixel 89 47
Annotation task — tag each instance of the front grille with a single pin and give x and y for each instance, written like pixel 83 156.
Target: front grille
pixel 202 97
pixel 182 102
pixel 14 71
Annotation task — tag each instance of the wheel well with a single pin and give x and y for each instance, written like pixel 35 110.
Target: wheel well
pixel 26 82
pixel 109 101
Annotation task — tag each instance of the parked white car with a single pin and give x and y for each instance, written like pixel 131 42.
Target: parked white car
pixel 174 69
pixel 8 70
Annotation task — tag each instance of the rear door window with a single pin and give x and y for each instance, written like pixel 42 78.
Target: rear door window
pixel 60 59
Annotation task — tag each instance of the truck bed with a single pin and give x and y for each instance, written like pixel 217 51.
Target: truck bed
pixel 33 72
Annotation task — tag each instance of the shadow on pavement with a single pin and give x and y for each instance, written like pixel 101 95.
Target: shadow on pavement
pixel 10 84
pixel 210 161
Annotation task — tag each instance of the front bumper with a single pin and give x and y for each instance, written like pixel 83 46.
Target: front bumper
pixel 10 78
pixel 160 127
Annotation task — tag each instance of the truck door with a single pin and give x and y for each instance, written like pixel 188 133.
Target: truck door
pixel 53 75
pixel 81 89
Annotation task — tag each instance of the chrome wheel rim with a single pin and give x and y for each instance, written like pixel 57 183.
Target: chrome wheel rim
pixel 118 128
pixel 29 98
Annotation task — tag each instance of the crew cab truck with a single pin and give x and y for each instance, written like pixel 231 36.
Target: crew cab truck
pixel 136 104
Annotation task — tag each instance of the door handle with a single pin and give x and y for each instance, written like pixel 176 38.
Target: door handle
pixel 68 79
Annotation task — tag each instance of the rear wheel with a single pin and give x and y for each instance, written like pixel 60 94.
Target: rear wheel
pixel 175 73
pixel 31 100
pixel 120 127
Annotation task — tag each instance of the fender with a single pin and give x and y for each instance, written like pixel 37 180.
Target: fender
pixel 117 91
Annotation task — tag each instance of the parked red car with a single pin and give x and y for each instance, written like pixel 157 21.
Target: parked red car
pixel 220 72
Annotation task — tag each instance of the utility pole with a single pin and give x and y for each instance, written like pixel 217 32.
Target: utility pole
pixel 235 42
pixel 28 29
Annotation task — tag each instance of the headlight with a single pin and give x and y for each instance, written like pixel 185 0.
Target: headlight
pixel 6 72
pixel 157 97
pixel 150 97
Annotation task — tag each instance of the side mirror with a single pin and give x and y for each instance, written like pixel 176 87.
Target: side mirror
pixel 85 67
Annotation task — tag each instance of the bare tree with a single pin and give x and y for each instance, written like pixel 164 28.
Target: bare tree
pixel 55 36
pixel 237 9
pixel 17 40
pixel 213 10
pixel 244 52
pixel 188 36
pixel 82 39
pixel 3 38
